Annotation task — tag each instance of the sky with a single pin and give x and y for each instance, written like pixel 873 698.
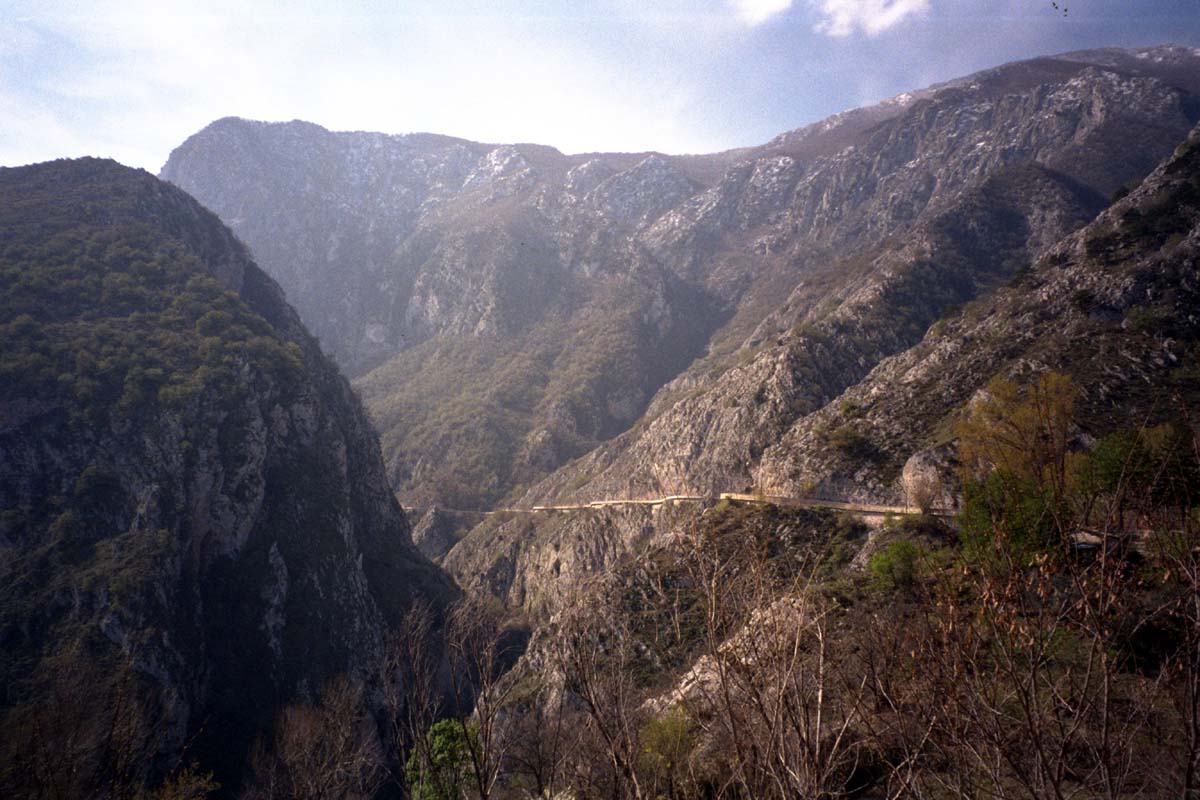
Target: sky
pixel 131 79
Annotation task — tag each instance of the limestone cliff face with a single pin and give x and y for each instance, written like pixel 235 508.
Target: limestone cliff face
pixel 827 336
pixel 1111 305
pixel 386 241
pixel 535 562
pixel 437 269
pixel 937 204
pixel 535 326
pixel 187 483
pixel 803 406
pixel 710 440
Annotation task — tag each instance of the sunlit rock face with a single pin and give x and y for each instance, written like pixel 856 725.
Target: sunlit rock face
pixel 542 326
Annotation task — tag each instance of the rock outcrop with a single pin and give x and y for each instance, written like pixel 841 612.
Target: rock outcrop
pixel 570 328
pixel 1112 305
pixel 834 391
pixel 187 485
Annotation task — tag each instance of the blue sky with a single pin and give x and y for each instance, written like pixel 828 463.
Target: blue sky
pixel 131 79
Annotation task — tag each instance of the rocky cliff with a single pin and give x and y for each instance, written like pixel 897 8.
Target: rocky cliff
pixel 802 409
pixel 195 516
pixel 542 327
pixel 496 288
pixel 510 308
pixel 1111 305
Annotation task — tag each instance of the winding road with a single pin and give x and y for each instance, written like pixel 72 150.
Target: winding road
pixel 870 511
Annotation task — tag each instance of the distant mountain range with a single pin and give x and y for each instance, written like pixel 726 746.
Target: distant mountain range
pixel 533 327
pixel 199 517
pixel 505 309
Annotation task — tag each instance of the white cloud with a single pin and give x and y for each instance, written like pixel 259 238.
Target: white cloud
pixel 845 17
pixel 133 78
pixel 755 12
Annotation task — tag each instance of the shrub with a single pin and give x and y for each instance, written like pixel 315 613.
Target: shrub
pixel 438 771
pixel 853 444
pixel 666 743
pixel 896 566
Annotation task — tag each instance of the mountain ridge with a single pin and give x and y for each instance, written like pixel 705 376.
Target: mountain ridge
pixel 608 329
pixel 194 503
pixel 535 248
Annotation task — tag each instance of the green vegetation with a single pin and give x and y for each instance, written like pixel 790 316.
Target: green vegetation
pixel 895 566
pixel 1016 448
pixel 1029 485
pixel 465 407
pixel 110 320
pixel 853 445
pixel 119 341
pixel 446 773
pixel 667 743
pixel 121 319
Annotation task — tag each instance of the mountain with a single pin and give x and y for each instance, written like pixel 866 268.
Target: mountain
pixel 785 411
pixel 199 527
pixel 868 311
pixel 531 327
pixel 930 654
pixel 196 525
pixel 969 185
pixel 1110 305
pixel 511 321
pixel 505 309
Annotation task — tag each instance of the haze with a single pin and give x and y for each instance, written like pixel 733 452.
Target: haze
pixel 130 80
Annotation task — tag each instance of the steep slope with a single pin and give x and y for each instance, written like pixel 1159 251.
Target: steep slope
pixel 827 336
pixel 1058 117
pixel 779 418
pixel 188 487
pixel 385 241
pixel 521 326
pixel 1112 305
pixel 709 440
pixel 586 285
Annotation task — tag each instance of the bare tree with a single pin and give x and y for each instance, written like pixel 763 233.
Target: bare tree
pixel 1173 539
pixel 595 654
pixel 323 751
pixel 768 683
pixel 86 730
pixel 479 651
pixel 540 737
pixel 1026 681
pixel 410 676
